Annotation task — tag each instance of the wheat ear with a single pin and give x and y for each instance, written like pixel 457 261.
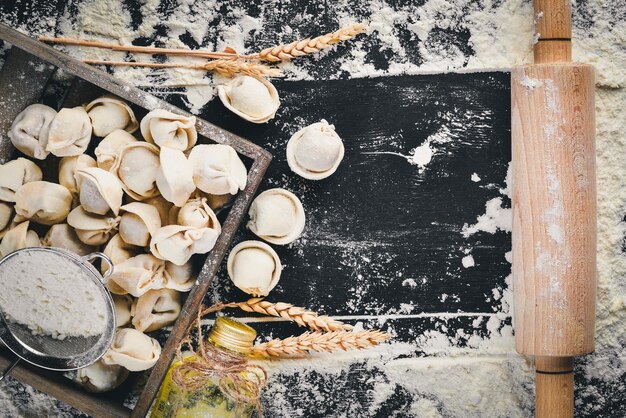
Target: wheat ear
pixel 320 342
pixel 300 316
pixel 310 46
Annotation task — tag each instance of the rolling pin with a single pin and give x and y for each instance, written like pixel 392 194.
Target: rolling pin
pixel 554 209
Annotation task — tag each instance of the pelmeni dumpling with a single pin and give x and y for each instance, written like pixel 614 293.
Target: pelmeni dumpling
pixel 64 236
pixel 177 243
pixel 175 176
pixel 18 238
pixel 217 169
pixel 217 202
pixel 156 309
pixel 277 216
pixel 162 206
pixel 90 228
pixel 99 190
pixel 108 113
pixel 43 202
pixel 118 251
pixel 315 152
pixel 6 217
pixel 137 166
pixel 68 166
pixel 198 214
pixel 14 174
pixel 133 350
pixel 167 129
pixel 70 132
pixel 180 278
pixel 253 99
pixel 254 267
pixel 123 305
pixel 29 131
pixel 110 147
pixel 138 223
pixel 137 275
pixel 100 377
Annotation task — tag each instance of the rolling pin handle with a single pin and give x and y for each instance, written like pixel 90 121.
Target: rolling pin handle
pixel 555 387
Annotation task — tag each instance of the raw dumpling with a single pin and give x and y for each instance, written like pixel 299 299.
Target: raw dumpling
pixel 179 278
pixel 123 305
pixel 167 129
pixel 29 132
pixel 253 99
pixel 43 202
pixel 198 214
pixel 108 113
pixel 6 217
pixel 14 174
pixel 118 251
pixel 217 169
pixel 64 236
pixel 70 132
pixel 133 350
pixel 90 228
pixel 162 206
pixel 99 190
pixel 177 243
pixel 138 223
pixel 101 377
pixel 137 275
pixel 175 176
pixel 277 216
pixel 315 152
pixel 137 167
pixel 156 309
pixel 68 166
pixel 254 267
pixel 217 202
pixel 110 147
pixel 18 238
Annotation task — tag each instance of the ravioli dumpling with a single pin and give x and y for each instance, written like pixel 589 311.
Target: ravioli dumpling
pixel 315 151
pixel 108 150
pixel 137 166
pixel 132 350
pixel 70 132
pixel 43 202
pixel 177 243
pixel 253 99
pixel 138 223
pixel 254 267
pixel 68 166
pixel 108 113
pixel 217 169
pixel 29 131
pixel 14 174
pixel 100 377
pixel 90 228
pixel 277 216
pixel 169 130
pixel 64 236
pixel 99 190
pixel 175 176
pixel 180 278
pixel 18 238
pixel 198 214
pixel 156 309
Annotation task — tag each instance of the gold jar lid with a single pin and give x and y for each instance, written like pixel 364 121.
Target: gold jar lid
pixel 232 335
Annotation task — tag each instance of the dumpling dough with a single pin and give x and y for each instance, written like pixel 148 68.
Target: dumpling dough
pixel 198 214
pixel 64 236
pixel 277 216
pixel 29 131
pixel 14 174
pixel 118 251
pixel 18 238
pixel 254 267
pixel 175 176
pixel 6 217
pixel 156 309
pixel 90 228
pixel 253 99
pixel 110 147
pixel 217 169
pixel 133 350
pixel 43 202
pixel 178 243
pixel 68 166
pixel 138 223
pixel 162 206
pixel 100 377
pixel 137 275
pixel 167 129
pixel 315 151
pixel 108 113
pixel 70 132
pixel 123 305
pixel 99 190
pixel 137 166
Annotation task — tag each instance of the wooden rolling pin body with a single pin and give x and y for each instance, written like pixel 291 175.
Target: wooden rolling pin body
pixel 554 209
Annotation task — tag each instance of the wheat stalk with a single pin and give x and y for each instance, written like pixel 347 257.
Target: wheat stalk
pixel 320 342
pixel 300 316
pixel 310 46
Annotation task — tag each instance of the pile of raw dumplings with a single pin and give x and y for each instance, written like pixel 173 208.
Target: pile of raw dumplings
pixel 148 204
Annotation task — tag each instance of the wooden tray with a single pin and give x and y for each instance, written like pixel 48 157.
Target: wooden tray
pixel 23 80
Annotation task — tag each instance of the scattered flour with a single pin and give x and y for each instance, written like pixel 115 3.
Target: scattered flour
pixel 475 178
pixel 468 261
pixel 496 218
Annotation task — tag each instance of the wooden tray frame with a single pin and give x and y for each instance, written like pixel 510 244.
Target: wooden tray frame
pixel 23 78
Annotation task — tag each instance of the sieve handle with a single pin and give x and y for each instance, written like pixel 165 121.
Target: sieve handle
pixel 7 371
pixel 106 259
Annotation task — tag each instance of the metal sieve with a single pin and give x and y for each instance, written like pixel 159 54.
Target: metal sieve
pixel 40 348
